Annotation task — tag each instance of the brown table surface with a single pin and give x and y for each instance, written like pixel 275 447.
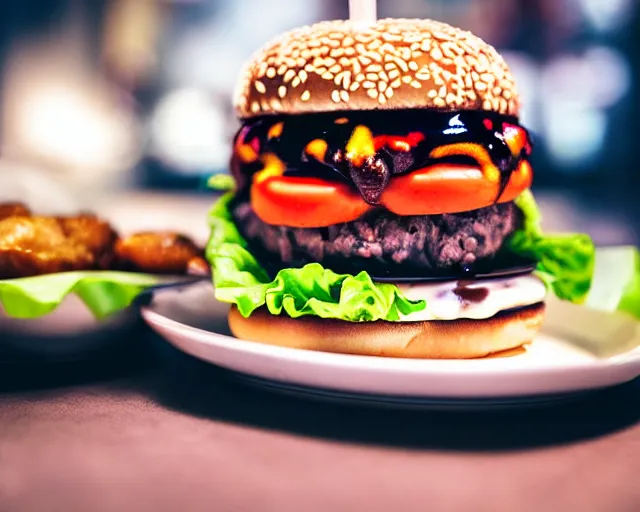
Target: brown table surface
pixel 148 428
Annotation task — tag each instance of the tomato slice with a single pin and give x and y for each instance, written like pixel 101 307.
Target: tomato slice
pixel 305 202
pixel 449 188
pixel 442 188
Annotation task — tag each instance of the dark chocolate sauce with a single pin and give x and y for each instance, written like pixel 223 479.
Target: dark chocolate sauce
pixel 468 295
pixel 372 176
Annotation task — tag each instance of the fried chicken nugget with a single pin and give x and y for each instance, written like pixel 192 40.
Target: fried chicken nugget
pixel 160 253
pixel 39 245
pixel 13 210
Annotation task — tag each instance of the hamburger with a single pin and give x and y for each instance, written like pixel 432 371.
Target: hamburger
pixel 381 202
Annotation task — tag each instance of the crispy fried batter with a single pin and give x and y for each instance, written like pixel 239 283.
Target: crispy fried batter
pixel 42 245
pixel 159 252
pixel 13 210
pixel 36 245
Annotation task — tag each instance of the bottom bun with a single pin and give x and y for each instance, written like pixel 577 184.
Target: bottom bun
pixel 441 339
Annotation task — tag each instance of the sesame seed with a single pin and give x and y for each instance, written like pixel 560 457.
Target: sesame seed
pixel 432 93
pixel 488 78
pixel 255 106
pixel 368 85
pixel 396 83
pixel 391 37
pixel 386 48
pixel 497 91
pixel 282 91
pixel 348 41
pixel 475 76
pixel 374 56
pixel 360 77
pixel 295 82
pixel 507 94
pixel 426 45
pixel 486 105
pixel 356 66
pixel 372 93
pixel 335 96
pixel 282 69
pixel 389 66
pixel 375 44
pixel 402 64
pixel 305 96
pixel 414 46
pixel 328 62
pixel 416 84
pixel 354 86
pixel 382 99
pixel 260 87
pixel 271 72
pixel 503 105
pixel 382 86
pixel 407 79
pixel 344 62
pixel 347 79
pixel 344 96
pixel 309 68
pixel 472 95
pixel 372 76
pixel 413 65
pixel 423 75
pixel 388 92
pixel 275 104
pixel 289 75
pixel 394 73
pixel 303 75
pixel 383 76
pixel 335 68
pixel 451 98
pixel 327 76
pixel 436 53
pixel 349 51
pixel 443 91
pixel 365 61
pixel 305 54
pixel 481 86
pixel 416 54
pixel 439 102
pixel 496 103
pixel 375 68
pixel 337 52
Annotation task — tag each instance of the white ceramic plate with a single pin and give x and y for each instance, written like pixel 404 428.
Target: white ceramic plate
pixel 577 350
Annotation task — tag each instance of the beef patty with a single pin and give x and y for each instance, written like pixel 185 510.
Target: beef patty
pixel 384 243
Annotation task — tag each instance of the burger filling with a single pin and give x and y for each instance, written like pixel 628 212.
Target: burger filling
pixel 384 244
pixel 317 170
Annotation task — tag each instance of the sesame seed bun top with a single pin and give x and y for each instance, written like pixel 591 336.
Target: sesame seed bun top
pixel 392 64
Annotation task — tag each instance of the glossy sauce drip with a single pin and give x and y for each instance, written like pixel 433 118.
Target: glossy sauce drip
pixel 468 295
pixel 403 141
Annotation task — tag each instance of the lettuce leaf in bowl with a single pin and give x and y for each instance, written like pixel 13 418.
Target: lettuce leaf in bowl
pixel 310 290
pixel 103 292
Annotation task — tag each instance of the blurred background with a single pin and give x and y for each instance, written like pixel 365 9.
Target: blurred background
pixel 107 103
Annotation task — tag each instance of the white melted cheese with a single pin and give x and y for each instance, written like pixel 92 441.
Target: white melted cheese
pixel 443 303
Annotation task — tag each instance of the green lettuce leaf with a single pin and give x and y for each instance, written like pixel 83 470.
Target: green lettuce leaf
pixel 223 182
pixel 565 261
pixel 103 292
pixel 310 290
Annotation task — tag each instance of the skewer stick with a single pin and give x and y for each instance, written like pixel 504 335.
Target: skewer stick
pixel 362 11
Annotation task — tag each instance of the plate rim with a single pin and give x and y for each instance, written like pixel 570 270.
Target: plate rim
pixel 474 367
